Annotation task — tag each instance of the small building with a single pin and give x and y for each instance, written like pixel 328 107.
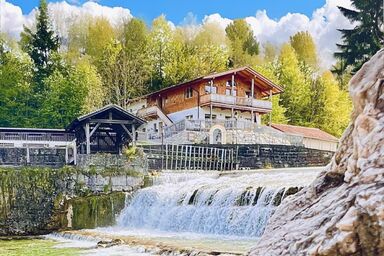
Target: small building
pixel 312 137
pixel 106 130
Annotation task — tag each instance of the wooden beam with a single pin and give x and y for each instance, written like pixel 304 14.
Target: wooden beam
pixel 94 129
pixel 253 89
pixel 108 121
pixel 233 84
pixel 127 131
pixel 133 135
pixel 87 139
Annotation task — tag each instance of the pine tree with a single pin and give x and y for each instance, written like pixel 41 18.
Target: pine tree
pixel 367 37
pixel 41 46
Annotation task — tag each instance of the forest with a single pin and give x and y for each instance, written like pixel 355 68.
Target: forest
pixel 47 79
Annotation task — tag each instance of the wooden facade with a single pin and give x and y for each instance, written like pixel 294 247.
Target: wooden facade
pixel 240 89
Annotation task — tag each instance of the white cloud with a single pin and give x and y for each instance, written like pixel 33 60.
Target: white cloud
pixel 62 14
pixel 216 18
pixel 322 25
pixel 12 19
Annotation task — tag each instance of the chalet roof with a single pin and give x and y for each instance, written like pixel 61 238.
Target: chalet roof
pixel 103 112
pixel 260 81
pixel 306 132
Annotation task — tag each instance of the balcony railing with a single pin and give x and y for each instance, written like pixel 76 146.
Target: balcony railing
pixel 36 136
pixel 268 134
pixel 236 101
pixel 147 111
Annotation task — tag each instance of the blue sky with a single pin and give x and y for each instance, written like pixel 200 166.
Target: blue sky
pixel 177 10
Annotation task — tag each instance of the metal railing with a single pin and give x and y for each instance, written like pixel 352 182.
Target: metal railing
pixel 36 136
pixel 233 100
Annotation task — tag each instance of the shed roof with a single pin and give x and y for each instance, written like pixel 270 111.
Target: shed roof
pixel 118 111
pixel 306 132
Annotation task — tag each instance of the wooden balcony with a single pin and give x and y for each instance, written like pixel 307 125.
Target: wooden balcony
pixel 147 112
pixel 226 101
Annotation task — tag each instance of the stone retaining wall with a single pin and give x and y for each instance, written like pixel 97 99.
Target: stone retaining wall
pixel 258 156
pixel 41 200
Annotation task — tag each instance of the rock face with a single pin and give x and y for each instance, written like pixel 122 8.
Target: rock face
pixel 342 211
pixel 40 200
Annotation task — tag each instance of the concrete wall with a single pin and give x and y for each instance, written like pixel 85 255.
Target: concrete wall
pixel 38 157
pixel 320 144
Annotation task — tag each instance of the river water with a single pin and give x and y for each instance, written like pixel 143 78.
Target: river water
pixel 206 211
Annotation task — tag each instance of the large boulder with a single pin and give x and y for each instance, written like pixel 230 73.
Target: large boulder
pixel 342 211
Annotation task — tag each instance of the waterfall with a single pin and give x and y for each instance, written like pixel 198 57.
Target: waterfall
pixel 238 206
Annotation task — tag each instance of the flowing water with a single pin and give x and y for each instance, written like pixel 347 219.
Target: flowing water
pixel 207 211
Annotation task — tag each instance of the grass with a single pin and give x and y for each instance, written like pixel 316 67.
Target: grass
pixel 34 247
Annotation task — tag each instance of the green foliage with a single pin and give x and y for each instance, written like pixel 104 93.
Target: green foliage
pixel 35 247
pixel 278 110
pixel 15 89
pixel 100 34
pixel 367 36
pixel 160 47
pixel 305 48
pixel 296 96
pixel 131 152
pixel 242 43
pixel 40 46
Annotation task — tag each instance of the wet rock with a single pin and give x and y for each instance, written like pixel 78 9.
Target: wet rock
pixel 107 244
pixel 342 211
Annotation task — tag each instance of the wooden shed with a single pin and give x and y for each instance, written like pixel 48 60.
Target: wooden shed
pixel 106 130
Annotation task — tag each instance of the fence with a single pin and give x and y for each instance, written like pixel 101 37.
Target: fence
pixel 36 136
pixel 190 157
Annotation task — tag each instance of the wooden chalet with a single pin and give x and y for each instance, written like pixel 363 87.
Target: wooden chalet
pixel 240 94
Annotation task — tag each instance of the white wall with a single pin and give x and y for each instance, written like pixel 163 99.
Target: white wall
pixel 320 144
pixel 180 115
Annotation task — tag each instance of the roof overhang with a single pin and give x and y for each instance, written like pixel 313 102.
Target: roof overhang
pixel 123 114
pixel 263 83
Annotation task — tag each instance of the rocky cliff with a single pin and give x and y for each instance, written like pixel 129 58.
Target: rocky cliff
pixel 342 211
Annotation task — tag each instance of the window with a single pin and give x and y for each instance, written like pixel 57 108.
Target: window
pixel 229 83
pixel 188 93
pixel 189 117
pixel 208 116
pixel 208 89
pixel 229 92
pixel 155 127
